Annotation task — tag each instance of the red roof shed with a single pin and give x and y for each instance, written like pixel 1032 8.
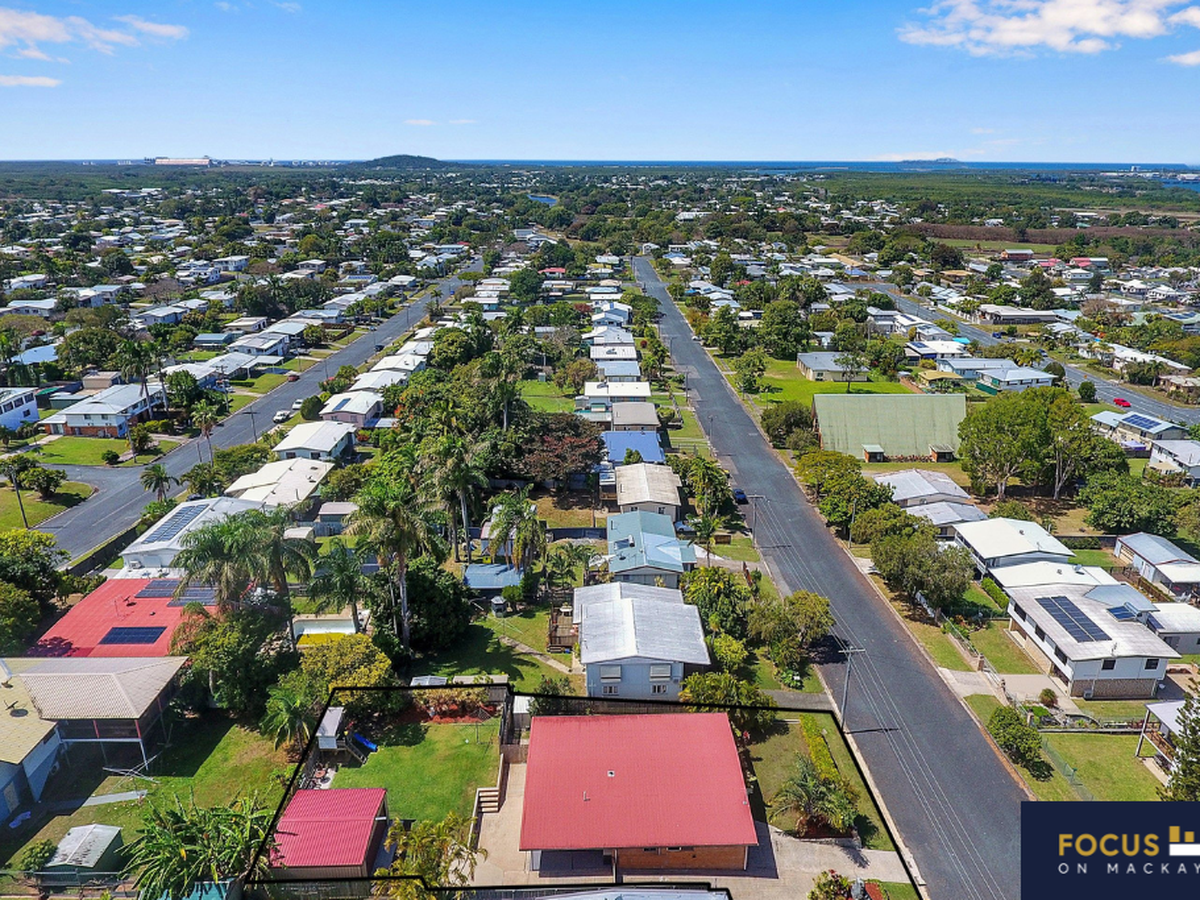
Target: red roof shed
pixel 634 781
pixel 336 828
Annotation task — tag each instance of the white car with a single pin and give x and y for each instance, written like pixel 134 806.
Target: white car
pixel 282 416
pixel 296 404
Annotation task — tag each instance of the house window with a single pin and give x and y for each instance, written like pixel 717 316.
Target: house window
pixel 1108 665
pixel 658 688
pixel 610 673
pixel 1017 609
pixel 1062 657
pixel 1152 664
pixel 660 672
pixel 610 690
pixel 1037 629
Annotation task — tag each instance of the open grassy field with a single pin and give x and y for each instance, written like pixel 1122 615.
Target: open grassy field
pixel 953 470
pixel 429 770
pixel 783 381
pixel 210 755
pixel 1001 652
pixel 1106 765
pixel 481 652
pixel 71 493
pixel 88 451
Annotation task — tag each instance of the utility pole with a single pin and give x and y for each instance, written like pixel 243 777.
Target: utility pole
pixel 253 425
pixel 849 651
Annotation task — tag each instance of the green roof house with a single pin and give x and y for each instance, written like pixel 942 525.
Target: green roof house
pixel 877 427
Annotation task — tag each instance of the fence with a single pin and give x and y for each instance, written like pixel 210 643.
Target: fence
pixel 1067 771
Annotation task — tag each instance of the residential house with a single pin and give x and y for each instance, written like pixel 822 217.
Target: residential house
pixel 1014 380
pixel 29 746
pixel 108 413
pixel 918 487
pixel 633 416
pixel 995 543
pixel 317 440
pixel 649 488
pixel 603 394
pixel 916 350
pixel 1180 458
pixel 285 482
pixel 643 549
pixel 266 343
pixel 645 443
pixel 619 370
pixel 821 366
pixel 357 408
pixel 635 647
pixel 18 406
pixel 158 547
pixel 1178 624
pixel 590 779
pixel 1136 431
pixel 1161 563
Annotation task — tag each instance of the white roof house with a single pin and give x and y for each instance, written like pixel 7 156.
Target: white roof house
pixel 1178 624
pixel 1176 457
pixel 648 488
pixel 353 407
pixel 602 352
pixel 1160 562
pixel 377 381
pixel 996 543
pixel 945 515
pixel 917 487
pixel 317 440
pixel 407 362
pixel 282 483
pixel 158 547
pixel 107 413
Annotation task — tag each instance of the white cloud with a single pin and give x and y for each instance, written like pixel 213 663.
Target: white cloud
pixel 983 131
pixel 226 7
pixel 1186 59
pixel 27 30
pixel 287 5
pixel 421 122
pixel 1019 27
pixel 155 29
pixel 462 121
pixel 41 81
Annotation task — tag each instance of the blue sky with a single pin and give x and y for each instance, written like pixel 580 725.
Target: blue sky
pixel 981 80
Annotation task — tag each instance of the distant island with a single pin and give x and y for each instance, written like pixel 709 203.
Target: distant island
pixel 403 161
pixel 940 160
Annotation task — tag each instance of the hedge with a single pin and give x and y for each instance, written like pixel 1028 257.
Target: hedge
pixel 1080 542
pixel 818 750
pixel 993 590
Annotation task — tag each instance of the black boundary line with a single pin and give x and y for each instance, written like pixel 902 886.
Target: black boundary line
pixel 558 887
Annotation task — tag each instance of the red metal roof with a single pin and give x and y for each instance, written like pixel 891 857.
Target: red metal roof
pixel 114 604
pixel 612 782
pixel 325 828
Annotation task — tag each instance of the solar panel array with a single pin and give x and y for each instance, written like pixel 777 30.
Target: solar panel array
pixel 1072 619
pixel 175 524
pixel 1121 613
pixel 159 587
pixel 196 593
pixel 132 635
pixel 1137 420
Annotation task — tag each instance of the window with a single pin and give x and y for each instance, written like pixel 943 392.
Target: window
pixel 1037 629
pixel 610 673
pixel 609 690
pixel 658 688
pixel 1108 665
pixel 1062 657
pixel 1152 664
pixel 1017 609
pixel 660 672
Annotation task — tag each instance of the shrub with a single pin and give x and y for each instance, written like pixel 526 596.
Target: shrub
pixel 1021 742
pixel 36 856
pixel 818 750
pixel 310 409
pixel 110 457
pixel 1048 698
pixel 1081 542
pixel 729 652
pixel 994 591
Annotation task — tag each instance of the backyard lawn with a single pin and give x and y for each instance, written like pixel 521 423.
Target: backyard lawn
pixel 209 755
pixel 1106 765
pixel 429 770
pixel 1101 558
pixel 952 469
pixel 783 381
pixel 571 509
pixel 1052 785
pixel 530 627
pixel 70 493
pixel 1001 652
pixel 1113 709
pixel 545 396
pixel 481 652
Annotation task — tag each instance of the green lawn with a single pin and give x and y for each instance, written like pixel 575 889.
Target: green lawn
pixel 480 652
pixel 1001 652
pixel 952 469
pixel 783 381
pixel 1101 558
pixel 977 596
pixel 210 755
pixel 545 396
pixel 1106 765
pixel 429 770
pixel 688 437
pixel 899 890
pixel 939 645
pixel 983 705
pixel 37 510
pixel 87 451
pixel 1113 709
pixel 530 627
pixel 740 548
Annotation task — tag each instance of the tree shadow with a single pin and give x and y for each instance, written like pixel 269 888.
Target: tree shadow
pixel 192 741
pixel 403 734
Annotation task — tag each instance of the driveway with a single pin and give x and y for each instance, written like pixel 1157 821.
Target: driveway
pixel 955 804
pixel 120 498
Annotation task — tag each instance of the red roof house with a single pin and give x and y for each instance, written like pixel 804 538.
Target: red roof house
pixel 332 833
pixel 654 791
pixel 121 618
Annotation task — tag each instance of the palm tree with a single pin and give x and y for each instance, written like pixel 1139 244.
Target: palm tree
pixel 813 797
pixel 339 581
pixel 203 479
pixel 456 473
pixel 220 554
pixel 275 556
pixel 288 716
pixel 437 853
pixel 705 528
pixel 392 522
pixel 155 478
pixel 205 416
pixel 707 479
pixel 135 360
pixel 515 525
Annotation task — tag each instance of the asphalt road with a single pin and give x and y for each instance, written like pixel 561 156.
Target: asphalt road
pixel 1105 390
pixel 120 498
pixel 955 804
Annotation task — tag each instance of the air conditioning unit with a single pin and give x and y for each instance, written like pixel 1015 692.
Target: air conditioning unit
pixel 1087 695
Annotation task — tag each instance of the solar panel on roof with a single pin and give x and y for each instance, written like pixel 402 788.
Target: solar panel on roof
pixel 1143 422
pixel 1078 626
pixel 132 635
pixel 159 587
pixel 1121 613
pixel 175 524
pixel 197 593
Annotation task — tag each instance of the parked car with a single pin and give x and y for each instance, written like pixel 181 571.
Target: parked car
pixel 739 496
pixel 292 376
pixel 296 404
pixel 1121 402
pixel 282 416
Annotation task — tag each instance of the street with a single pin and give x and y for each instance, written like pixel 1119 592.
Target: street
pixel 954 802
pixel 1105 390
pixel 120 497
